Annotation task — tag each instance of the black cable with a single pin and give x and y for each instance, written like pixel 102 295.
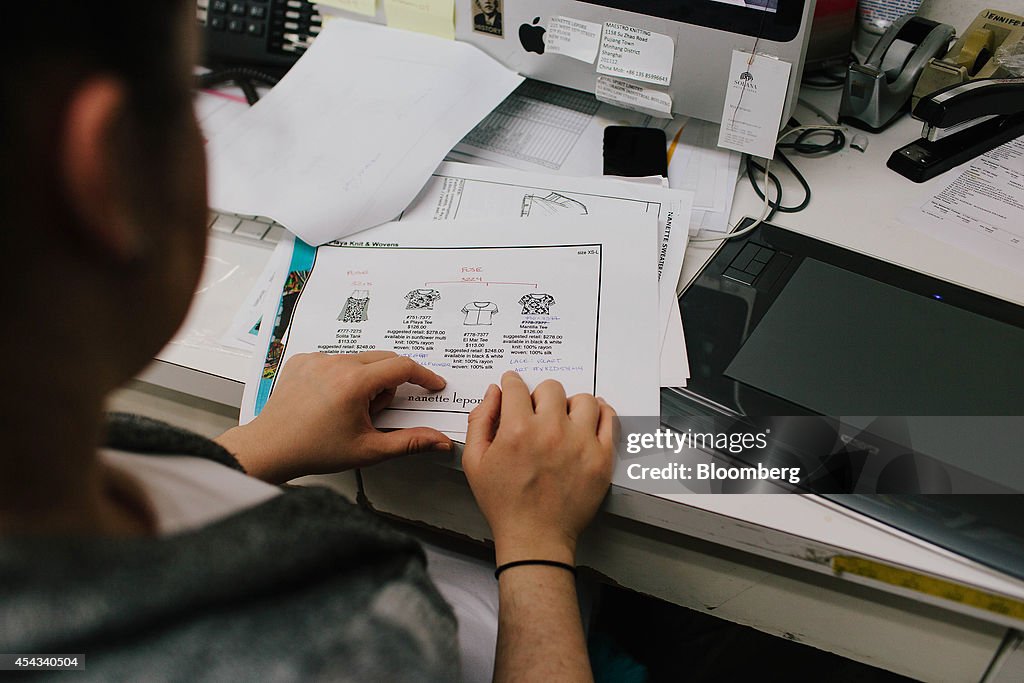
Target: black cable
pixel 750 166
pixel 252 96
pixel 831 74
pixel 801 146
pixel 245 77
pixel 776 205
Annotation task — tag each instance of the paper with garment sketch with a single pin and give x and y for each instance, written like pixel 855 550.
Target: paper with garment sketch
pixel 979 207
pixel 463 191
pixel 572 299
pixel 550 129
pixel 348 137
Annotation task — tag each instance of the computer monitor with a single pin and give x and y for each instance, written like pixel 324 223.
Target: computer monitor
pixel 705 33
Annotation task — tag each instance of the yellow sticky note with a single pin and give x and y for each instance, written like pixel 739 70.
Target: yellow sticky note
pixel 436 17
pixel 365 7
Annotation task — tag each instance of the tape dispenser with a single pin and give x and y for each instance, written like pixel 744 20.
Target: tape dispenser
pixel 974 54
pixel 878 90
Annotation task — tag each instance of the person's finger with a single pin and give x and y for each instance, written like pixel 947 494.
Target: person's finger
pixel 585 411
pixel 483 421
pixel 515 397
pixel 381 401
pixel 394 372
pixel 384 445
pixel 373 356
pixel 549 397
pixel 607 425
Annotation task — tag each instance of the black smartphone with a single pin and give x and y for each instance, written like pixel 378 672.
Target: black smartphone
pixel 635 152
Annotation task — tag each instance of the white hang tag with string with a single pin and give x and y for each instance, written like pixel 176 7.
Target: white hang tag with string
pixel 753 104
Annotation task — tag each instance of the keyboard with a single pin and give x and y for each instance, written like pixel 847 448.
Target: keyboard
pixel 254 229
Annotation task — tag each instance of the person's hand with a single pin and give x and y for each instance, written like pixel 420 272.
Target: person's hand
pixel 539 466
pixel 319 418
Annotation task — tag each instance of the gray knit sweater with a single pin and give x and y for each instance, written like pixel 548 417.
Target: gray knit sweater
pixel 304 587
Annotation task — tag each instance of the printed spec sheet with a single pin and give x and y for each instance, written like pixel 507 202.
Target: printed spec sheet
pixel 979 207
pixel 573 300
pixel 464 191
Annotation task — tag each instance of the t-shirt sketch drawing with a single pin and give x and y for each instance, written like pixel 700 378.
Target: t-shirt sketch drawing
pixel 422 299
pixel 479 312
pixel 537 304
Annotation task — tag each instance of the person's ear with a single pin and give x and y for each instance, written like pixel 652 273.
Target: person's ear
pixel 90 160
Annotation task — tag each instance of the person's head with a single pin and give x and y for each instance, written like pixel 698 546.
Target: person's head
pixel 103 190
pixel 488 7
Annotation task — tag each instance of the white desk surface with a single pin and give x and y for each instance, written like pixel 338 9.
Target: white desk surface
pixel 796 593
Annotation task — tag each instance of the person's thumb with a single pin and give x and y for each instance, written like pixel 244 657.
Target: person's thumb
pixel 407 442
pixel 482 423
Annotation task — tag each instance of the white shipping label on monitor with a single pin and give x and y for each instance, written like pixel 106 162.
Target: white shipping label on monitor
pixel 753 104
pixel 574 38
pixel 631 52
pixel 634 96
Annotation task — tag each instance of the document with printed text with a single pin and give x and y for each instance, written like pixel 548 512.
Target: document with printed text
pixel 979 207
pixel 573 300
pixel 463 191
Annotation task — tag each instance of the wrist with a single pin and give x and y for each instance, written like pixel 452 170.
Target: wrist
pixel 247 447
pixel 556 548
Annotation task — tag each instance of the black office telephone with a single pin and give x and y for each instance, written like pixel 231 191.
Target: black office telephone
pixel 264 33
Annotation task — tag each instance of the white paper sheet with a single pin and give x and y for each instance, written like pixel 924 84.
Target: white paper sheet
pixel 675 365
pixel 979 207
pixel 351 133
pixel 696 163
pixel 548 128
pixel 217 110
pixel 573 300
pixel 243 332
pixel 463 191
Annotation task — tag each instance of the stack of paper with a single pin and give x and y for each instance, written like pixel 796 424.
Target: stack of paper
pixel 463 191
pixel 554 276
pixel 348 137
pixel 550 129
pixel 567 298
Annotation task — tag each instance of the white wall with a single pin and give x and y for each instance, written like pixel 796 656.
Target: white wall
pixel 960 13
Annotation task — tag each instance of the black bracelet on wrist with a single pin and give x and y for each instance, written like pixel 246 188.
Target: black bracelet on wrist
pixel 542 563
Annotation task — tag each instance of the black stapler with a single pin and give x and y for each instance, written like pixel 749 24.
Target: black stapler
pixel 960 123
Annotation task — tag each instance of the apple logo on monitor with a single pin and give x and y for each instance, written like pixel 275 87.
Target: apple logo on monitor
pixel 532 37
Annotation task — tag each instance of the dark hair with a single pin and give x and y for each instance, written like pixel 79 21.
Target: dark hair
pixel 52 46
pixel 135 41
